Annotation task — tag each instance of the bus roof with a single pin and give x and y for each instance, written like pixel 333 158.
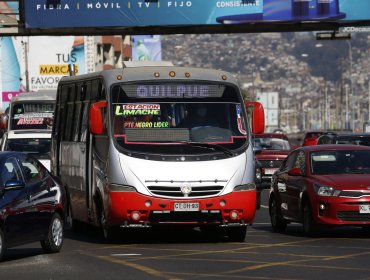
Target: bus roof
pixel 149 73
pixel 39 95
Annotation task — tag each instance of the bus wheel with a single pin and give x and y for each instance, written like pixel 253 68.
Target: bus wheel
pixel 237 234
pixel 108 233
pixel 212 233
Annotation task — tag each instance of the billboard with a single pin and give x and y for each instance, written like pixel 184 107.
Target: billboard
pixel 141 13
pixel 146 47
pixel 37 63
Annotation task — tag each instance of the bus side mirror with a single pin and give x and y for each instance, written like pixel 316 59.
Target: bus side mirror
pixel 96 117
pixel 258 116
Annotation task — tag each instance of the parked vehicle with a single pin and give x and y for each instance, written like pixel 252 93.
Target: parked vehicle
pixel 322 185
pixel 270 151
pixel 345 138
pixel 310 137
pixel 32 203
pixel 35 142
pixel 139 160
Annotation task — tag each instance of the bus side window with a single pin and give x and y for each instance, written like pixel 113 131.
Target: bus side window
pixel 81 88
pixel 70 114
pixel 85 106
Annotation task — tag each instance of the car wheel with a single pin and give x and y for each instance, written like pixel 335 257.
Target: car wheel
pixel 2 245
pixel 258 202
pixel 310 228
pixel 237 234
pixel 277 223
pixel 54 239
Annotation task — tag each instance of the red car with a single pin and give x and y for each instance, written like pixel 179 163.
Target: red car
pixel 322 185
pixel 270 151
pixel 311 137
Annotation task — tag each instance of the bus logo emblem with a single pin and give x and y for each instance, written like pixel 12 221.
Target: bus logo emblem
pixel 185 189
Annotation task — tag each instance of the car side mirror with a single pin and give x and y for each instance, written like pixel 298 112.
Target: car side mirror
pixel 295 171
pixel 13 185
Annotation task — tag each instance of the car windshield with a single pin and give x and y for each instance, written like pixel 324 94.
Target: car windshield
pixel 178 118
pixel 340 162
pixel 364 141
pixel 39 147
pixel 272 144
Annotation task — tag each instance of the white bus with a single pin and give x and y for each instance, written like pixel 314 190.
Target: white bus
pixel 132 153
pixel 32 110
pixel 29 125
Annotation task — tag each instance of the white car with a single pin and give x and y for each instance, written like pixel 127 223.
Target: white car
pixel 35 142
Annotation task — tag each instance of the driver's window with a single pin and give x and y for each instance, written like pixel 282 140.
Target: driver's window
pixel 10 171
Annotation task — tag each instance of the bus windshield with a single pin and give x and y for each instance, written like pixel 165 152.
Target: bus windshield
pixel 32 115
pixel 148 115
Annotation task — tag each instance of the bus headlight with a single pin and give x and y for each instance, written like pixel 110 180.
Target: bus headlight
pixel 120 188
pixel 246 187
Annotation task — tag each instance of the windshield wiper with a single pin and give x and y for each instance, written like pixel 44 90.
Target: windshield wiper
pixel 214 147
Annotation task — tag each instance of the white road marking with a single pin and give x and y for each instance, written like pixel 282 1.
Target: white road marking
pixel 124 255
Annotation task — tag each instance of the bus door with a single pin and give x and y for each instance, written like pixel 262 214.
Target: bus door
pixel 72 152
pixel 97 148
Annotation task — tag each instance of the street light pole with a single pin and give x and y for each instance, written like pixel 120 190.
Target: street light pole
pixel 351 84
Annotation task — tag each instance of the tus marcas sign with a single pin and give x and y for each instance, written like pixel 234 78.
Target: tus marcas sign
pixel 139 13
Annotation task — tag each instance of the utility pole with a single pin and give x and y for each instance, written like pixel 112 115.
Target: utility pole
pixel 347 116
pixel 25 44
pixel 368 114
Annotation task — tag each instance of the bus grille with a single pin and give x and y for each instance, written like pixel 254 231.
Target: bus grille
pixel 197 191
pixel 353 216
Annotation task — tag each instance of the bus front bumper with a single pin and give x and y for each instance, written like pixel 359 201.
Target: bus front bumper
pixel 132 209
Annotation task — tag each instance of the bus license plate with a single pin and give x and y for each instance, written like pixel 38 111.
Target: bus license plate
pixel 186 206
pixel 365 209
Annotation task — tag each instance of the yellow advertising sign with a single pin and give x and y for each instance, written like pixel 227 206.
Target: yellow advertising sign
pixel 55 69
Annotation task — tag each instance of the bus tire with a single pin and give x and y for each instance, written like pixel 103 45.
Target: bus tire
pixel 54 238
pixel 237 234
pixel 212 233
pixel 108 233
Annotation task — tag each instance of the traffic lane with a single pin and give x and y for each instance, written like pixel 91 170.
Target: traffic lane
pixel 188 254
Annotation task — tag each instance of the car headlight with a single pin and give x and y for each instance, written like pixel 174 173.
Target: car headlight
pixel 246 187
pixel 121 188
pixel 322 190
